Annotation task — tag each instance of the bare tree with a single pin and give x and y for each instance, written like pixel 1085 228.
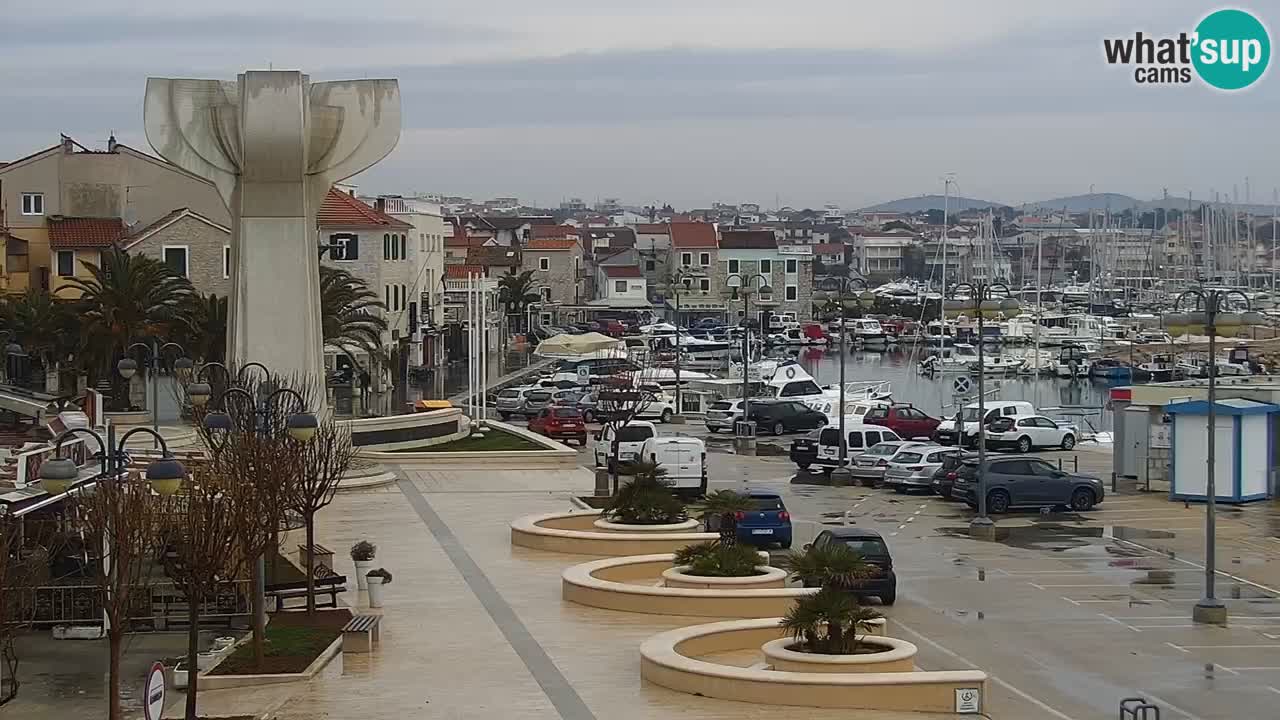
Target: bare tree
pixel 323 461
pixel 127 523
pixel 21 558
pixel 203 554
pixel 619 401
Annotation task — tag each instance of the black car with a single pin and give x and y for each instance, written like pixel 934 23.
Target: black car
pixel 871 546
pixel 944 476
pixel 1026 482
pixel 779 416
pixel 804 451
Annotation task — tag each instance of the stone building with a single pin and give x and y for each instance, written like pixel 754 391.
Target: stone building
pixel 557 270
pixel 193 245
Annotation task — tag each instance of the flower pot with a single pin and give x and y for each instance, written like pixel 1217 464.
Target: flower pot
pixel 375 591
pixel 362 567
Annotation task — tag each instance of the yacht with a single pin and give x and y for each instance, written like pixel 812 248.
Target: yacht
pixel 868 333
pixel 1073 361
pixel 1075 294
pixel 959 358
pixel 997 364
pixel 1160 368
pixel 662 337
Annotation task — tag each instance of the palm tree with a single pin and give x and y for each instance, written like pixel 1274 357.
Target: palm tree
pixel 647 499
pixel 515 291
pixel 833 564
pixel 205 328
pixel 828 621
pixel 351 315
pixel 125 299
pixel 46 327
pixel 724 505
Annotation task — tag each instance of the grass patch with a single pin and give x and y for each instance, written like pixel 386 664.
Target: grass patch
pixel 492 440
pixel 294 641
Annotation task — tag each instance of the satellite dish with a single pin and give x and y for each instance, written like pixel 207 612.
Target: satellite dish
pixel 130 216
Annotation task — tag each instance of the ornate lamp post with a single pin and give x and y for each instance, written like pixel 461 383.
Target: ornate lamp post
pixel 59 474
pixel 1211 309
pixel 840 286
pixel 680 283
pixel 986 298
pixel 151 359
pixel 745 285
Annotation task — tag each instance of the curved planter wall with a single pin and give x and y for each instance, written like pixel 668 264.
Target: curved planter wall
pixel 574 533
pixel 769 577
pixel 379 433
pixel 625 584
pixel 394 432
pixel 681 527
pixel 895 656
pixel 670 659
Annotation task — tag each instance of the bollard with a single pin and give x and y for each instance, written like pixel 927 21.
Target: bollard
pixel 602 481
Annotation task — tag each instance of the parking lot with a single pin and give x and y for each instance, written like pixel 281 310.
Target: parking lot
pixel 1070 612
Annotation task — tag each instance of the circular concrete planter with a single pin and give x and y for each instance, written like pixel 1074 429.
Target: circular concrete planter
pixel 130 417
pixel 575 533
pixel 607 526
pixel 894 656
pixel 769 577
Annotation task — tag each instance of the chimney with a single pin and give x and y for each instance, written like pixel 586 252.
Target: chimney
pixel 380 205
pixel 68 145
pixel 111 143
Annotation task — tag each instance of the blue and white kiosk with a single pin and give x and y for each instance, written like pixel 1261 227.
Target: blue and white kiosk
pixel 1244 435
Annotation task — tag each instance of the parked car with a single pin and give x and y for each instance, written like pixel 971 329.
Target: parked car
pixel 1026 482
pixel 510 401
pixel 776 417
pixel 871 546
pixel 911 468
pixel 945 475
pixel 723 414
pixel 535 401
pixel 631 438
pixel 684 459
pixel 660 407
pixel 1028 433
pixel 949 434
pixel 858 437
pixel 560 423
pixel 768 522
pixel 905 420
pixel 869 467
pixel 612 328
pixel 804 450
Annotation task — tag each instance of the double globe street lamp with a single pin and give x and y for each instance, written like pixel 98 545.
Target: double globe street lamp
pixel 59 474
pixel 1211 309
pixel 838 288
pixel 744 285
pixel 152 354
pixel 983 298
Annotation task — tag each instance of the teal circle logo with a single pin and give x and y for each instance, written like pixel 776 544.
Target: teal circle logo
pixel 1232 49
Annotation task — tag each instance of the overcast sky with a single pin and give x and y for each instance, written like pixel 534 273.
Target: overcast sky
pixel 685 101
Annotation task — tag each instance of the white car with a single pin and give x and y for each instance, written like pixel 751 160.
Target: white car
pixel 947 433
pixel 631 438
pixel 660 408
pixel 1030 432
pixel 723 414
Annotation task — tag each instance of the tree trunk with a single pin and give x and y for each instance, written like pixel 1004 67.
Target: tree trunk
pixel 193 651
pixel 835 638
pixel 259 624
pixel 613 454
pixel 311 564
pixel 114 638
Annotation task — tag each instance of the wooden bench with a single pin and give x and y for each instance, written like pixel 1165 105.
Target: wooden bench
pixel 327 582
pixel 361 634
pixel 323 555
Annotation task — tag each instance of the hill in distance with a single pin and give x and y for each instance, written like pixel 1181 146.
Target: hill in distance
pixel 1083 203
pixel 924 203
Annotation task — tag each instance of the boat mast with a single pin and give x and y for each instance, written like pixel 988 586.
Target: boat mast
pixel 1275 240
pixel 946 206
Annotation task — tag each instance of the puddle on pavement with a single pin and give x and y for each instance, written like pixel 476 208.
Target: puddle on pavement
pixel 1057 537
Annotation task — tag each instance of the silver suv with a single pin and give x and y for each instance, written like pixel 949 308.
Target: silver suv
pixel 512 400
pixel 723 414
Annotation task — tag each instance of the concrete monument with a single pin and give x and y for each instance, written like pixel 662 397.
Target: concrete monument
pixel 273 143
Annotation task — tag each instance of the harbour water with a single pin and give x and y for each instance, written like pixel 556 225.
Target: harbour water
pixel 1084 399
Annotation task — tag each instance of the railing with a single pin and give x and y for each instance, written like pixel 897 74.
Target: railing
pixel 462 284
pixel 69 604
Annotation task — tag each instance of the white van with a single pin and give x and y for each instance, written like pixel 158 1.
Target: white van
pixel 947 434
pixel 859 438
pixel 631 438
pixel 684 459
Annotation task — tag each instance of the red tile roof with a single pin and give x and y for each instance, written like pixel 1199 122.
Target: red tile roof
pixel 693 235
pixel 551 244
pixel 622 271
pixel 553 231
pixel 492 255
pixel 748 240
pixel 460 272
pixel 85 232
pixel 828 249
pixel 453 241
pixel 342 210
pixel 652 228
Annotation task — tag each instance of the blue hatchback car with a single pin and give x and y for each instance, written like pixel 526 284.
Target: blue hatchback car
pixel 767 523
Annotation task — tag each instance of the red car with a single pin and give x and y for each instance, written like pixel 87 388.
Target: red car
pixel 905 420
pixel 612 328
pixel 560 423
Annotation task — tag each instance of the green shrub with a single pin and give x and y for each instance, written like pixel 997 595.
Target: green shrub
pixel 646 500
pixel 828 622
pixel 722 560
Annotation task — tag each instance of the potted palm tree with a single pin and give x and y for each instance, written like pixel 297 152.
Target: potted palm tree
pixel 715 559
pixel 646 500
pixel 830 632
pixel 362 555
pixel 376 579
pixel 832 565
pixel 720 513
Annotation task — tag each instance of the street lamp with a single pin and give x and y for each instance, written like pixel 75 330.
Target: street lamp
pixel 1209 311
pixel 840 285
pixel 678 284
pixel 984 300
pixel 165 475
pixel 152 354
pixel 740 284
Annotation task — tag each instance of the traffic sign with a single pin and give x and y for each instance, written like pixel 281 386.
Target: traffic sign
pixel 962 385
pixel 153 692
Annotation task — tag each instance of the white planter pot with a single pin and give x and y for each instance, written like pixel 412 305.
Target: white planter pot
pixel 362 567
pixel 375 591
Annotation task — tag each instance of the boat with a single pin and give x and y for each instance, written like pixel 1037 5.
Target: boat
pixel 959 358
pixel 998 364
pixel 1110 369
pixel 1073 362
pixel 799 336
pixel 868 333
pixel 1160 368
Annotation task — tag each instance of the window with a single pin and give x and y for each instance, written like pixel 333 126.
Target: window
pixel 404 247
pixel 387 292
pixel 791 267
pixel 855 439
pixel 704 259
pixel 546 295
pixel 686 259
pixel 704 285
pixel 226 261
pixel 344 247
pixel 649 265
pixel 386 246
pixel 620 286
pixel 66 263
pixel 176 259
pixel 544 263
pixel 733 267
pixel 873 438
pixel 792 292
pixel 422 242
pixel 32 203
pixel 766 267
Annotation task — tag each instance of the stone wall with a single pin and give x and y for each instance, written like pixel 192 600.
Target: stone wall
pixel 205 252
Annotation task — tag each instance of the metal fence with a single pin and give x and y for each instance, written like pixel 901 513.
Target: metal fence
pixel 159 604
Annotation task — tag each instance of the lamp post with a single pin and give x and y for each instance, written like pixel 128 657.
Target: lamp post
pixel 128 366
pixel 1209 306
pixel 739 283
pixel 984 301
pixel 58 475
pixel 841 475
pixel 678 284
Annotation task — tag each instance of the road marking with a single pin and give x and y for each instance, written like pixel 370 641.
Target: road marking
pixel 1198 566
pixel 1118 622
pixel 1173 707
pixel 1274 690
pixel 1261 668
pixel 1131 601
pixel 1122 585
pixel 999 681
pixel 1225 647
pixel 1038 587
pixel 1073 602
pixel 1176 647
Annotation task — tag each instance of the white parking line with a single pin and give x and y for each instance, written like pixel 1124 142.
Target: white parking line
pixel 1187 648
pixel 1118 622
pixel 1272 591
pixel 1119 585
pixel 1261 668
